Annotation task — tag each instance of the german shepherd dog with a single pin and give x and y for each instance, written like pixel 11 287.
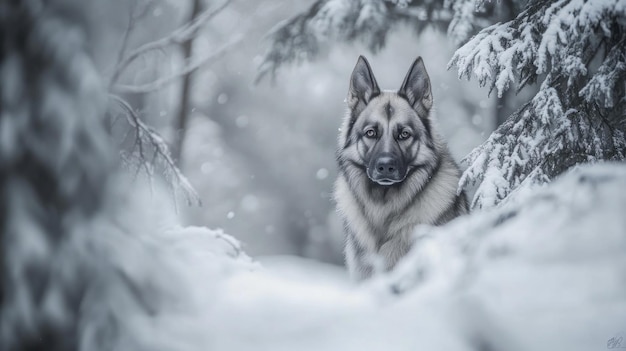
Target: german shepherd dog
pixel 395 171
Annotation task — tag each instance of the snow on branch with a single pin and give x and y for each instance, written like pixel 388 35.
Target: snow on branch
pixel 527 150
pixel 303 37
pixel 551 36
pixel 607 87
pixel 471 15
pixel 577 115
pixel 537 143
pixel 150 149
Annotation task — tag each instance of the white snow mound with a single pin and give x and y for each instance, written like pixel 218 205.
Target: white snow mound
pixel 545 271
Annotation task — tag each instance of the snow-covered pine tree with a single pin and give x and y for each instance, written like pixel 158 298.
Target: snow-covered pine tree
pixel 574 49
pixel 577 49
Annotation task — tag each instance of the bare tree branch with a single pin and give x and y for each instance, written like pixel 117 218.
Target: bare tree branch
pixel 137 15
pixel 161 82
pixel 180 121
pixel 145 133
pixel 180 35
pixel 148 148
pixel 133 17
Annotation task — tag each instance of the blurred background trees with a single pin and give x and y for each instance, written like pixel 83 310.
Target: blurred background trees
pixel 57 185
pixel 241 112
pixel 145 150
pixel 259 152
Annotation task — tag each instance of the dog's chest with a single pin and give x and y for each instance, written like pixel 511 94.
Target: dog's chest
pixel 384 223
pixel 374 222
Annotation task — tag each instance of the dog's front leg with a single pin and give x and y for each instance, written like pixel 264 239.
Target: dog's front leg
pixel 357 259
pixel 395 248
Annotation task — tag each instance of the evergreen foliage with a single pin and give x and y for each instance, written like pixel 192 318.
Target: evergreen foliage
pixel 573 49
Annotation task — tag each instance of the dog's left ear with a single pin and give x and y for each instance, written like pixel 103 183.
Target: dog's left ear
pixel 416 87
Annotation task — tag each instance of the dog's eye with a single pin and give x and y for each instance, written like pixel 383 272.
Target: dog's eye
pixel 370 133
pixel 405 134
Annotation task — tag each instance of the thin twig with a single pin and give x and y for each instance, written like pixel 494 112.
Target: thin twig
pixel 161 82
pixel 160 147
pixel 176 37
pixel 230 241
pixel 144 11
pixel 120 55
pixel 133 17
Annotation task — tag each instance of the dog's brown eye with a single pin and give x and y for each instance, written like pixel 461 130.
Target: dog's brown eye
pixel 370 133
pixel 405 134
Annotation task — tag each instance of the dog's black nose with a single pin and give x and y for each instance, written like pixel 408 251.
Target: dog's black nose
pixel 387 166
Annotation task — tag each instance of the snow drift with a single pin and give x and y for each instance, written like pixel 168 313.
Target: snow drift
pixel 544 271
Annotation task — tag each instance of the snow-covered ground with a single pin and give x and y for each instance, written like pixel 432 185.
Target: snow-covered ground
pixel 544 271
pixel 88 263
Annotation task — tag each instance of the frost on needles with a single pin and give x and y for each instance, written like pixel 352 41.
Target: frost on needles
pixel 304 36
pixel 577 50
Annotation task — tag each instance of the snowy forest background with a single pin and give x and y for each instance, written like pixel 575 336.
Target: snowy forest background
pixel 166 169
pixel 260 148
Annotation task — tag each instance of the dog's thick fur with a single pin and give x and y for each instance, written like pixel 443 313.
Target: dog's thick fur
pixel 395 171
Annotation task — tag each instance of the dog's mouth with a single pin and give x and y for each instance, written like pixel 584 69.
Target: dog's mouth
pixel 386 170
pixel 386 182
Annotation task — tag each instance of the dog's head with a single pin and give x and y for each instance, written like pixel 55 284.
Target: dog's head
pixel 388 134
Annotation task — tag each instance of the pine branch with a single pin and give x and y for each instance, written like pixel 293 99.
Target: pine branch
pixel 577 115
pixel 304 36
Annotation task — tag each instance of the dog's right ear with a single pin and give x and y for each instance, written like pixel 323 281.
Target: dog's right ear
pixel 363 86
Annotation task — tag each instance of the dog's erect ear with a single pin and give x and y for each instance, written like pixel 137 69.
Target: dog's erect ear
pixel 416 87
pixel 363 86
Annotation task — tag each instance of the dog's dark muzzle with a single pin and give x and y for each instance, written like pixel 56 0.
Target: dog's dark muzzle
pixel 386 170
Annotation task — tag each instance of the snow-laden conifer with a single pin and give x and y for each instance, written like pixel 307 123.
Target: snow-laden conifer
pixel 575 50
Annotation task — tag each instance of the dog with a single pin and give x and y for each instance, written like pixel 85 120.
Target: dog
pixel 395 170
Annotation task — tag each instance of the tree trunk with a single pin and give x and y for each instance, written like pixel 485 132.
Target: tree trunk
pixel 185 99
